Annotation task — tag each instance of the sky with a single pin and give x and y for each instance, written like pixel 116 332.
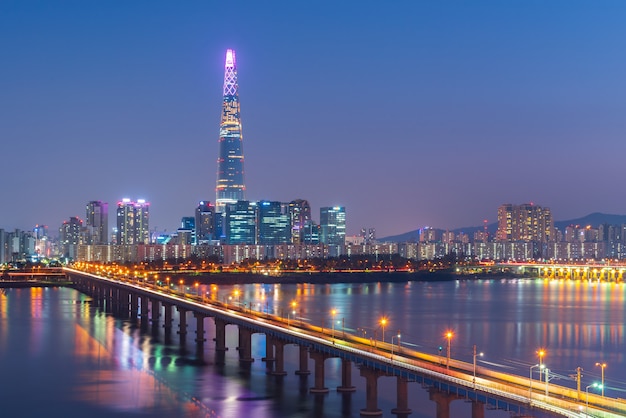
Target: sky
pixel 408 113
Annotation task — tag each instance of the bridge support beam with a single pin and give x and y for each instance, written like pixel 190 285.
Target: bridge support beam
pixel 402 393
pixel 269 349
pixel 167 324
pixel 220 335
pixel 245 345
pixel 319 359
pixel 200 327
pixel 279 370
pixel 346 377
pixel 304 362
pixel 123 303
pixel 182 324
pixel 144 308
pixel 134 305
pixel 442 400
pixel 478 410
pixel 155 311
pixel 371 392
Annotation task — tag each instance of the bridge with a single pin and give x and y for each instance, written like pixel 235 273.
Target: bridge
pixel 593 271
pixel 446 380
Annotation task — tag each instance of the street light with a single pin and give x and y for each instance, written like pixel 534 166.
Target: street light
pixel 593 385
pixel 333 312
pixel 197 288
pixel 398 337
pixel 383 322
pixel 449 336
pixel 530 380
pixel 602 365
pixel 475 354
pixel 541 353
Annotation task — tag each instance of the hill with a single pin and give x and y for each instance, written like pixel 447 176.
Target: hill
pixel 594 219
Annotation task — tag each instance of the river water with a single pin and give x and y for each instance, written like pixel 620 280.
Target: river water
pixel 60 356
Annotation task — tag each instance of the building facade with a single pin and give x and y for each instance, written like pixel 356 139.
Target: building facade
pixel 97 222
pixel 333 229
pixel 230 186
pixel 133 222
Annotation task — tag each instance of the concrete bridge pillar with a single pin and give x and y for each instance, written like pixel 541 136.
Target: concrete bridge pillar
pixel 220 334
pixel 304 362
pixel 478 410
pixel 199 327
pixel 402 391
pixel 319 359
pixel 442 400
pixel 346 377
pixel 167 324
pixel 269 349
pixel 182 324
pixel 155 311
pixel 134 305
pixel 144 307
pixel 123 303
pixel 371 392
pixel 280 358
pixel 245 345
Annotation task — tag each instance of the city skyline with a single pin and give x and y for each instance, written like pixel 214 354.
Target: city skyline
pixel 487 103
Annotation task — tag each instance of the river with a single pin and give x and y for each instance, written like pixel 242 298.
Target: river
pixel 60 356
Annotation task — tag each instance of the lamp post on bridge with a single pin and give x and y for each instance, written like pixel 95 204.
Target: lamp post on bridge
pixel 593 385
pixel 530 380
pixel 449 336
pixel 475 355
pixel 602 365
pixel 398 337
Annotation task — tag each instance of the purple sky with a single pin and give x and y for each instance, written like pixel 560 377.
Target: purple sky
pixel 408 113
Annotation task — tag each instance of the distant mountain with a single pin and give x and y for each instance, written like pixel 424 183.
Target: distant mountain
pixel 594 219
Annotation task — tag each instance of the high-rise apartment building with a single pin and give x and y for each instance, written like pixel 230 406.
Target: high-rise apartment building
pixel 133 222
pixel 97 222
pixel 333 229
pixel 273 223
pixel 205 222
pixel 299 215
pixel 230 186
pixel 70 236
pixel 526 222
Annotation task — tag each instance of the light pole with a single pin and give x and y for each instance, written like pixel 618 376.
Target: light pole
pixel 602 365
pixel 293 311
pixel 197 285
pixel 593 385
pixel 541 353
pixel 333 312
pixel 383 322
pixel 398 337
pixel 530 380
pixel 547 371
pixel 475 354
pixel 449 336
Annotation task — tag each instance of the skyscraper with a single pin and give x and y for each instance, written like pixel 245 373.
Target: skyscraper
pixel 273 224
pixel 97 221
pixel 299 215
pixel 333 229
pixel 205 222
pixel 230 175
pixel 132 222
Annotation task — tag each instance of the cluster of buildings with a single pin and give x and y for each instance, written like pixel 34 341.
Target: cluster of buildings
pixel 234 228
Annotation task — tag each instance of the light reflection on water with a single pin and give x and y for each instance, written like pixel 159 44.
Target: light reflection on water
pixel 76 361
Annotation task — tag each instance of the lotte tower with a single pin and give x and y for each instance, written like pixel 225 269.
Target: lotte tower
pixel 230 180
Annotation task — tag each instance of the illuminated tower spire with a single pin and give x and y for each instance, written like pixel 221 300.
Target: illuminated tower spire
pixel 230 182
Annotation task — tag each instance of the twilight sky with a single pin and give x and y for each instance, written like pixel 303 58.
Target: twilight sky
pixel 409 113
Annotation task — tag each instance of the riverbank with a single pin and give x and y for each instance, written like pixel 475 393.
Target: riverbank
pixel 334 277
